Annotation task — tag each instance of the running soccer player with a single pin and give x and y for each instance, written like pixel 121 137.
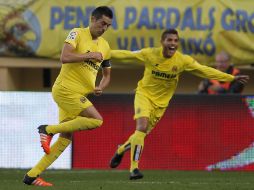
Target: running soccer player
pixel 163 66
pixel 83 53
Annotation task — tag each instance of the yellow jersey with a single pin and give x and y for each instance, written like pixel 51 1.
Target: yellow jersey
pixel 161 74
pixel 80 77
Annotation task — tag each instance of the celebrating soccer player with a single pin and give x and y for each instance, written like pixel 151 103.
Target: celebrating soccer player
pixel 83 53
pixel 163 66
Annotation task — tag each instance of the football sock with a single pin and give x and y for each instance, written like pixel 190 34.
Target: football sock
pixel 77 124
pixel 137 145
pixel 56 150
pixel 124 147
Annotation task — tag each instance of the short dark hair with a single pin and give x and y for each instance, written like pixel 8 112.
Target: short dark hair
pixel 102 10
pixel 169 31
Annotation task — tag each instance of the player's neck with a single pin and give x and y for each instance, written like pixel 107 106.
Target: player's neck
pixel 94 37
pixel 166 54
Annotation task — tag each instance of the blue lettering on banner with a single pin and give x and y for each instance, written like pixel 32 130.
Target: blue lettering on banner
pixel 172 13
pixel 122 43
pixel 198 46
pixel 188 20
pixel 114 21
pixel 211 18
pixel 250 23
pixel 241 24
pixel 158 16
pixel 71 17
pixel 144 19
pixel 84 17
pixel 130 16
pixel 56 16
pixel 134 43
pixel 202 26
pixel 238 20
pixel 169 18
pixel 227 15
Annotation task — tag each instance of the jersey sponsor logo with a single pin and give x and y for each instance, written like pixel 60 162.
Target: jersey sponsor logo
pixel 162 75
pixel 72 35
pixel 93 65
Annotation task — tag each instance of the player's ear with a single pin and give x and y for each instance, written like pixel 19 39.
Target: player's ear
pixel 93 19
pixel 161 41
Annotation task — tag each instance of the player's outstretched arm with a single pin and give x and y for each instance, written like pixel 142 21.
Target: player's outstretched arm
pixel 128 56
pixel 203 71
pixel 122 54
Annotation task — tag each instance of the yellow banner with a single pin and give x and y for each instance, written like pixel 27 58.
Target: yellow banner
pixel 39 27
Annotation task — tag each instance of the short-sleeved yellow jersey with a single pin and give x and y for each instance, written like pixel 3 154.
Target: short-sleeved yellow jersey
pixel 81 77
pixel 161 74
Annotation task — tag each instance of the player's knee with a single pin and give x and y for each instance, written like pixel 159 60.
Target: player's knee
pixel 99 117
pixel 142 128
pixel 98 122
pixel 66 136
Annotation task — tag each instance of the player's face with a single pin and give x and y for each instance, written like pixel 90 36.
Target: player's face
pixel 99 26
pixel 170 45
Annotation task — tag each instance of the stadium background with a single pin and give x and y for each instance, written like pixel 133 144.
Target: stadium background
pixel 197 132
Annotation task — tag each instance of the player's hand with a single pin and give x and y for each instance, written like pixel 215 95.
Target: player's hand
pixel 95 57
pixel 242 78
pixel 97 91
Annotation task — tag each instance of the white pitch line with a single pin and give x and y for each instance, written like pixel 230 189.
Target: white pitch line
pixel 85 171
pixel 162 183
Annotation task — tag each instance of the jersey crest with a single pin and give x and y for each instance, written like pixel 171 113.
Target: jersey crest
pixel 72 35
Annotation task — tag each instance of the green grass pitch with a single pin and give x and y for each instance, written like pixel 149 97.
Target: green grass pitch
pixel 11 179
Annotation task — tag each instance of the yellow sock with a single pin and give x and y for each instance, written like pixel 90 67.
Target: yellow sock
pixel 56 150
pixel 137 145
pixel 77 124
pixel 124 147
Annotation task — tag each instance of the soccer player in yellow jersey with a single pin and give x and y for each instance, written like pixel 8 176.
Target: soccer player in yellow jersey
pixel 83 53
pixel 163 67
